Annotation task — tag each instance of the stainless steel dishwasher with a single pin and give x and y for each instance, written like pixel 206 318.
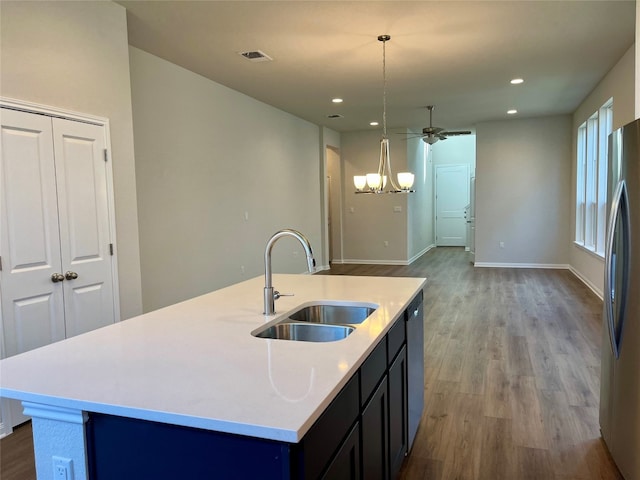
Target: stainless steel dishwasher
pixel 414 316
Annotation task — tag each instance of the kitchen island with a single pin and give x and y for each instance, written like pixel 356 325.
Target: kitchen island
pixel 193 374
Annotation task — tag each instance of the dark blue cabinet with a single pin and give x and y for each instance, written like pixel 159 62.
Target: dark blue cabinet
pixel 398 438
pixel 375 434
pixel 346 463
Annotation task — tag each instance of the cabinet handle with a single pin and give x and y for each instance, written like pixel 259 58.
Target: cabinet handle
pixel 57 277
pixel 71 275
pixel 415 312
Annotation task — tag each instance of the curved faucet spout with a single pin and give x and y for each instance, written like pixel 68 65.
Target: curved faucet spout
pixel 269 294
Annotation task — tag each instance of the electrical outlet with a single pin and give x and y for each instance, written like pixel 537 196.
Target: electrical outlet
pixel 242 269
pixel 386 243
pixel 62 468
pixel 501 244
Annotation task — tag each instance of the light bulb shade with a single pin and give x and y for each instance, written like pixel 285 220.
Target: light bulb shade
pixel 405 179
pixel 373 180
pixel 384 181
pixel 359 181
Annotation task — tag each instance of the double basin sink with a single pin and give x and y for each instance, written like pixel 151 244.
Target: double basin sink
pixel 318 323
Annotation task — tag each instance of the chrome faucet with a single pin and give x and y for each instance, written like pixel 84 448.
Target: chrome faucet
pixel 271 295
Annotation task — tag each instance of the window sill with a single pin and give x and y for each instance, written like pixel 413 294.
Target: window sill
pixel 590 251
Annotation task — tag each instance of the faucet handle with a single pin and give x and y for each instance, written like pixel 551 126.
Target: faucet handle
pixel 277 295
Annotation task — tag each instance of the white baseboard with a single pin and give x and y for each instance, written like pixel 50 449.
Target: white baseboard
pixel 419 254
pixel 559 266
pixel 355 261
pixel 587 282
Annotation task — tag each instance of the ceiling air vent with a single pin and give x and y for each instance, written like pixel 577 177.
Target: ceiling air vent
pixel 335 115
pixel 256 56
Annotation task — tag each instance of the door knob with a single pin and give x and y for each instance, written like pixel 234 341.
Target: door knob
pixel 57 277
pixel 71 275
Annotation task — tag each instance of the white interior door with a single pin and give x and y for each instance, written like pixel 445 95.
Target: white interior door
pixel 84 225
pixel 452 196
pixel 55 225
pixel 32 305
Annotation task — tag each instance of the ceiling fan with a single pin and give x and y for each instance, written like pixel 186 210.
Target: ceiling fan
pixel 432 134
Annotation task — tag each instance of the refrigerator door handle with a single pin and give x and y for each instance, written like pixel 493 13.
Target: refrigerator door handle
pixel 620 204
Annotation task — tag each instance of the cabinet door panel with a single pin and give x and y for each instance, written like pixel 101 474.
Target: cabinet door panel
pixel 346 463
pixel 375 434
pixel 398 412
pixel 81 174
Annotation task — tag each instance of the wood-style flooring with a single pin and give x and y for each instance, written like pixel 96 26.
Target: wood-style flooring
pixel 512 368
pixel 512 373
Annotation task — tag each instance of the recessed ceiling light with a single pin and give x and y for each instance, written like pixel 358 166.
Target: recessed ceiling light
pixel 513 111
pixel 337 100
pixel 374 124
pixel 517 81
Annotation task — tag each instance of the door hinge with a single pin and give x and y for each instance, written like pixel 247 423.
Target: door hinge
pixel 0 264
pixel 106 155
pixel 111 249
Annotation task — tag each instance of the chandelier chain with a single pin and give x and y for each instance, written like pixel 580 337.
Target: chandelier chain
pixel 384 89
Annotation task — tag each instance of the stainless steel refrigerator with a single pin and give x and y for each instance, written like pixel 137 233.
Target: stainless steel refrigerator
pixel 620 375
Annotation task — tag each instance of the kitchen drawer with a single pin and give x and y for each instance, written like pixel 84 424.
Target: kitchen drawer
pixel 372 371
pixel 395 339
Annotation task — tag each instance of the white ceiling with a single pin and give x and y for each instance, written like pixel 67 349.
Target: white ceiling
pixel 457 55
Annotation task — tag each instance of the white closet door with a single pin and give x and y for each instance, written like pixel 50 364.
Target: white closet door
pixel 81 176
pixel 32 305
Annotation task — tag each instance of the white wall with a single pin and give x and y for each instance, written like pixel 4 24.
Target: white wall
pixel 420 236
pixel 523 171
pixel 205 155
pixel 456 151
pixel 369 220
pixel 619 84
pixel 74 56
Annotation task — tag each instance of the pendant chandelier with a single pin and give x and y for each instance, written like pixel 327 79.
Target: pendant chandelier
pixel 377 182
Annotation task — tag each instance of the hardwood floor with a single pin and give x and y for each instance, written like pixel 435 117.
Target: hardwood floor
pixel 512 365
pixel 16 455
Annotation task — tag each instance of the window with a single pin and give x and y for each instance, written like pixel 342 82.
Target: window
pixel 591 181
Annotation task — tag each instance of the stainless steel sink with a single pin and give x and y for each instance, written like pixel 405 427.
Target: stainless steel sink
pixel 333 314
pixel 306 332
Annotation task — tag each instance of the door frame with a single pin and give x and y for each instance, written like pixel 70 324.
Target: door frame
pixel 435 191
pixel 30 107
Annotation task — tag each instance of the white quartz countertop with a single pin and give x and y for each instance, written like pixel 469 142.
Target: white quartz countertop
pixel 196 363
